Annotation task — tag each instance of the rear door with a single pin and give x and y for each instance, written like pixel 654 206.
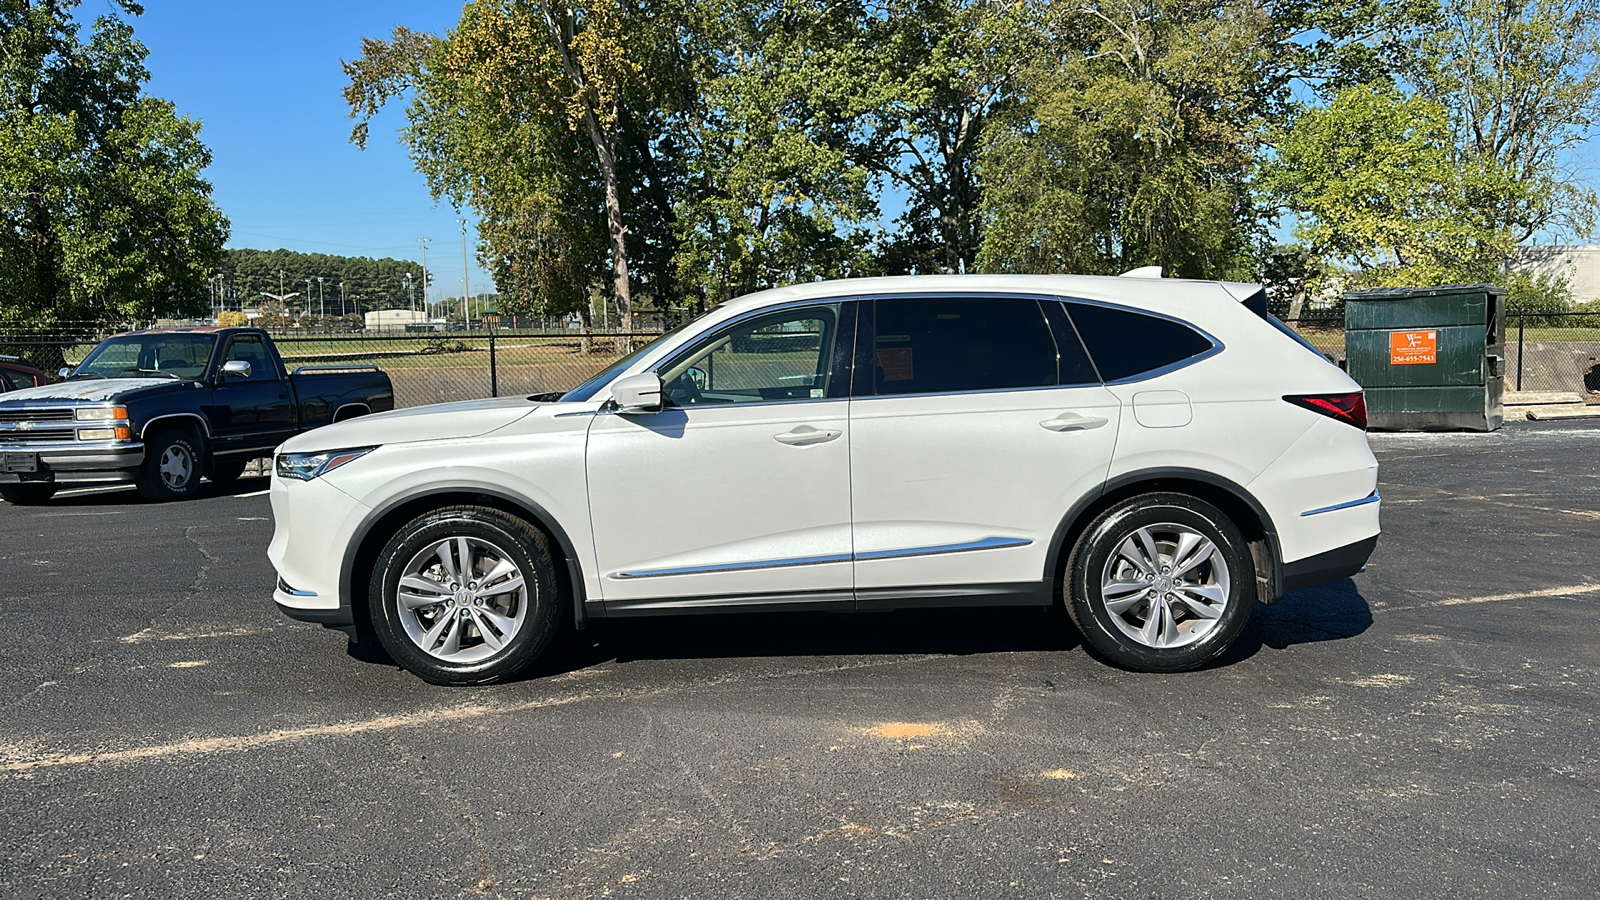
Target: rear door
pixel 974 426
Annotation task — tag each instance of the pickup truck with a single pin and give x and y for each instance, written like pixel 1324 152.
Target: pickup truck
pixel 162 407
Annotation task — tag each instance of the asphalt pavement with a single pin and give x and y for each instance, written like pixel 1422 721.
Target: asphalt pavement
pixel 1427 729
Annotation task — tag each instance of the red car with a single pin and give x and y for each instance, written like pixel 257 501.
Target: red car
pixel 17 373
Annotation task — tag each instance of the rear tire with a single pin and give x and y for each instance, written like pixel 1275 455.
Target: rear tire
pixel 172 466
pixel 1160 583
pixel 27 494
pixel 465 595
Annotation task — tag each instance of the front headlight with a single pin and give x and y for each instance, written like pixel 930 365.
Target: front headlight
pixel 306 466
pixel 102 414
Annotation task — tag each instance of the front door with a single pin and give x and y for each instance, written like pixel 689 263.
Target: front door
pixel 252 413
pixel 738 491
pixel 972 434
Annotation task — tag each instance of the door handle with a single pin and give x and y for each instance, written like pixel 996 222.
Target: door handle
pixel 1073 422
pixel 805 435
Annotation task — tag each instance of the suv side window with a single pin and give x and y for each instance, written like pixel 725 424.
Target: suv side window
pixel 786 355
pixel 1125 344
pixel 251 349
pixel 930 345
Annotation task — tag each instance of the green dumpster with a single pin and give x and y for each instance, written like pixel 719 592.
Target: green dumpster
pixel 1429 359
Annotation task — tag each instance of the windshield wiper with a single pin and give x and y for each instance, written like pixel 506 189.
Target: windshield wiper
pixel 153 372
pixel 86 375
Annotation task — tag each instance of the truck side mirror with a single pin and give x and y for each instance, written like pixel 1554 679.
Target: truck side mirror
pixel 64 372
pixel 236 368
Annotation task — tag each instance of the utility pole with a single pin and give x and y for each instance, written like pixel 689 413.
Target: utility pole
pixel 322 309
pixel 424 242
pixel 308 296
pixel 466 290
pixel 341 297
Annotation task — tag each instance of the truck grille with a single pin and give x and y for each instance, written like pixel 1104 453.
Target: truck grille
pixel 36 415
pixel 42 436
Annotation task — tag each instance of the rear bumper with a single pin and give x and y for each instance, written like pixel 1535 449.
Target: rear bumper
pixel 1340 562
pixel 78 462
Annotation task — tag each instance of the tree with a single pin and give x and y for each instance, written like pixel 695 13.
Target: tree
pixel 1375 181
pixel 1132 147
pixel 1521 81
pixel 105 217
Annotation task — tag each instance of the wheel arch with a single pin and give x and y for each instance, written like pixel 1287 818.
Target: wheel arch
pixel 382 523
pixel 1237 503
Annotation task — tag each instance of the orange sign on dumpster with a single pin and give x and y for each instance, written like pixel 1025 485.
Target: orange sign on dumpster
pixel 1413 348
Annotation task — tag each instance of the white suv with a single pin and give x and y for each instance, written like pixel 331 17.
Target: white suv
pixel 1159 455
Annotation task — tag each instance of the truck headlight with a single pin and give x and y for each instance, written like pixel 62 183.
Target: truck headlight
pixel 306 466
pixel 102 414
pixel 119 433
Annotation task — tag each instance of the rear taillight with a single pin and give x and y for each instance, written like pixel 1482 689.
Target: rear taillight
pixel 1350 409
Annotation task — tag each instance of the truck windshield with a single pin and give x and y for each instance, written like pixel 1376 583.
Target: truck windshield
pixel 179 356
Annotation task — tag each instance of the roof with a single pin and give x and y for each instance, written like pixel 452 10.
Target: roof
pixel 1091 287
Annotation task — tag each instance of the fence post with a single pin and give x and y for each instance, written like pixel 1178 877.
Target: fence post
pixel 494 372
pixel 1521 319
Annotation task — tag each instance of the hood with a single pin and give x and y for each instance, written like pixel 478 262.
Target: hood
pixel 443 421
pixel 87 390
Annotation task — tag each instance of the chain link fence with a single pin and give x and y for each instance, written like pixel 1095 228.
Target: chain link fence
pixel 1543 352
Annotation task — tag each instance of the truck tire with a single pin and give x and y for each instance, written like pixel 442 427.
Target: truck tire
pixel 27 494
pixel 173 461
pixel 227 471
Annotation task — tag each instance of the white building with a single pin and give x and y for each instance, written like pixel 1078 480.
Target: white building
pixel 1580 265
pixel 395 319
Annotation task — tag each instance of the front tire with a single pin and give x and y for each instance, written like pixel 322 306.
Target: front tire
pixel 1160 583
pixel 172 465
pixel 465 595
pixel 27 494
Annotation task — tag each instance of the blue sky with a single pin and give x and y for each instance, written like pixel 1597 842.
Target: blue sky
pixel 264 79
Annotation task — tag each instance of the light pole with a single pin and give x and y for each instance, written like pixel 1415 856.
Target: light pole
pixel 322 309
pixel 424 242
pixel 466 290
pixel 341 298
pixel 411 298
pixel 308 295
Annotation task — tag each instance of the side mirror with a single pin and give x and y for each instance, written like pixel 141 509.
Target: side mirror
pixel 637 393
pixel 236 368
pixel 64 372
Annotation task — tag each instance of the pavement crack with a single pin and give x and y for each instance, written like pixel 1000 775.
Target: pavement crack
pixel 486 884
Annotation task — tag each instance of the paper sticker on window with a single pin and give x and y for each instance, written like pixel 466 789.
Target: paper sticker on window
pixel 895 362
pixel 816 393
pixel 1413 348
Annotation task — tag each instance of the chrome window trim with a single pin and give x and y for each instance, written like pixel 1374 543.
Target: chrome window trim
pixel 1370 498
pixel 988 543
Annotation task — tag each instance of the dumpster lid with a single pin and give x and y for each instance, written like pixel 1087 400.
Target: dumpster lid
pixel 1408 293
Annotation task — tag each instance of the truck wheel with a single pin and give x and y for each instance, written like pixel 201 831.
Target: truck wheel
pixel 172 466
pixel 27 494
pixel 465 595
pixel 227 471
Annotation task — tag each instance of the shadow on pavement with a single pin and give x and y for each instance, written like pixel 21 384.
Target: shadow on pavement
pixel 1326 612
pixel 127 496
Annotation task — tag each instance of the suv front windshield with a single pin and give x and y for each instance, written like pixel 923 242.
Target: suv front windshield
pixel 178 356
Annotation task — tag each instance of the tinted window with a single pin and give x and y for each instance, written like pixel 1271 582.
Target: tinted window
pixel 936 345
pixel 1124 343
pixel 10 382
pixel 783 356
pixel 173 355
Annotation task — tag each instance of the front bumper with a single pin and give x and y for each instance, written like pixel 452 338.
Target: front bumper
pixel 313 525
pixel 77 462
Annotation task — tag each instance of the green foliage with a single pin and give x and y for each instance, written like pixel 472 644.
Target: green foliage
pixel 105 217
pixel 1133 150
pixel 1373 180
pixel 368 283
pixel 1537 296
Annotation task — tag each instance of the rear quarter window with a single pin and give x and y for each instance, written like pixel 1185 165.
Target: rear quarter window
pixel 1126 344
